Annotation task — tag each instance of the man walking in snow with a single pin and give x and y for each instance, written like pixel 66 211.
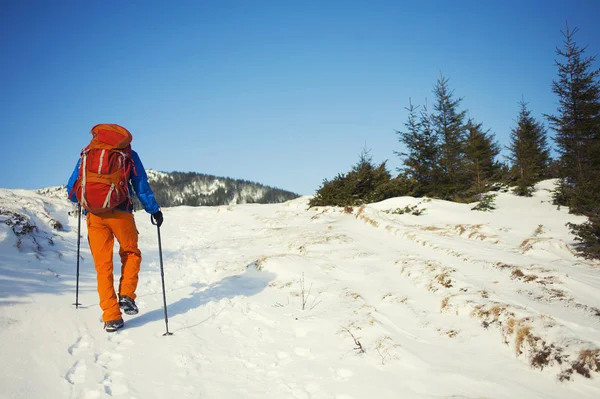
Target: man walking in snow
pixel 106 174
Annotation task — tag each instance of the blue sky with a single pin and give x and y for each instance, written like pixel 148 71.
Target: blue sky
pixel 284 93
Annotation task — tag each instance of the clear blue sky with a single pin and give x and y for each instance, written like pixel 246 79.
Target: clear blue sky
pixel 284 93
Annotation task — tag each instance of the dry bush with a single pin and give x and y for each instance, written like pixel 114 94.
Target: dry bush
pixel 588 360
pixel 489 316
pixel 348 209
pixel 372 222
pixel 451 333
pixel 511 324
pixel 539 230
pixel 539 353
pixel 305 295
pixel 527 243
pixel 354 295
pixel 258 264
pixel 359 348
pixel 361 209
pixel 523 335
pixel 461 229
pixel 543 356
pixel 517 273
pixel 367 219
pixel 445 303
pixel 444 280
pixel 55 224
pixel 384 347
pixel 556 293
pixel 530 278
pixel 432 228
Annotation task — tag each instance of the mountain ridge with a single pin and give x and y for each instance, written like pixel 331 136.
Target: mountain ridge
pixel 198 189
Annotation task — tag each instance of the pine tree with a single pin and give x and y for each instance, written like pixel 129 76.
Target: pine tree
pixel 481 152
pixel 365 183
pixel 577 127
pixel 420 160
pixel 577 124
pixel 448 124
pixel 529 152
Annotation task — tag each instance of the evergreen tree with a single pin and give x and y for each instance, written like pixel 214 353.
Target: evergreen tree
pixel 529 152
pixel 365 183
pixel 448 125
pixel 577 124
pixel 481 152
pixel 420 160
pixel 577 127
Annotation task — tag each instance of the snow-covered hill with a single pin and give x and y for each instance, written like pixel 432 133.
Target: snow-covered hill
pixel 195 189
pixel 282 301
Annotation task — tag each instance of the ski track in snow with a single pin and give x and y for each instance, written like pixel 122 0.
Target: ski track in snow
pixel 426 301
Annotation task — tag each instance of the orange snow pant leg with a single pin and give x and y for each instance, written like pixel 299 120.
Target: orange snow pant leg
pixel 102 229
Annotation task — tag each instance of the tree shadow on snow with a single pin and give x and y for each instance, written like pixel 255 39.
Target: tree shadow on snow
pixel 248 283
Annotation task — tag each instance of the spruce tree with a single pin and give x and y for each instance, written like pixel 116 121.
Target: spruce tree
pixel 529 152
pixel 577 123
pixel 481 152
pixel 365 183
pixel 448 125
pixel 420 158
pixel 577 127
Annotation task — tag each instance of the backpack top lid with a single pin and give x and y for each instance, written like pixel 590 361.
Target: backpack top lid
pixel 109 135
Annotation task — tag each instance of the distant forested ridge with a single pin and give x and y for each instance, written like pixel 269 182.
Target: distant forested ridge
pixel 197 189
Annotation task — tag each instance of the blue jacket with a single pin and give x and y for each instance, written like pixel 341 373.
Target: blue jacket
pixel 138 181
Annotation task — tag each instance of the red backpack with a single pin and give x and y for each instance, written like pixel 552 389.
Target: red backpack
pixel 104 169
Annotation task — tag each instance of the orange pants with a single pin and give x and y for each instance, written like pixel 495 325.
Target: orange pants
pixel 102 230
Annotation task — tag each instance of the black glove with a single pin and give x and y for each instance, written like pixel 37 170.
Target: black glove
pixel 156 218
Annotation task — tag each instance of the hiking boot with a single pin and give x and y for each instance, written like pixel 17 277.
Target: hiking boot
pixel 128 305
pixel 114 325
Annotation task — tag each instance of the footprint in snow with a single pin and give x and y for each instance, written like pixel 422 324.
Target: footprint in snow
pixel 81 344
pixel 112 385
pixel 76 374
pixel 107 359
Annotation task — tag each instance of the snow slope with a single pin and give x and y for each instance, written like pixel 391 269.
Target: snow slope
pixel 282 301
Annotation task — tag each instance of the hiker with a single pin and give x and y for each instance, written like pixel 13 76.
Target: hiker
pixel 106 174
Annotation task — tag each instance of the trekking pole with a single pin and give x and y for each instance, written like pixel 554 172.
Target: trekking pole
pixel 78 246
pixel 162 276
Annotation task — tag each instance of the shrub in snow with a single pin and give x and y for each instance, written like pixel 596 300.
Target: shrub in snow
pixel 486 203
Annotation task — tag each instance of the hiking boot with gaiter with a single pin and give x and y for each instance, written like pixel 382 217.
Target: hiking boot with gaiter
pixel 128 305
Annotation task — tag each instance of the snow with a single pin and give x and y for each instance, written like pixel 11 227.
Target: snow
pixel 156 175
pixel 452 303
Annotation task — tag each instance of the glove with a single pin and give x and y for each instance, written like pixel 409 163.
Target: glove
pixel 157 218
